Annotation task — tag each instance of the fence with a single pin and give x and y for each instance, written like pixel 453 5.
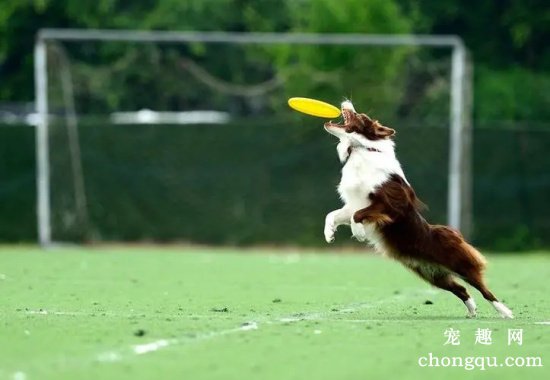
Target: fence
pixel 237 194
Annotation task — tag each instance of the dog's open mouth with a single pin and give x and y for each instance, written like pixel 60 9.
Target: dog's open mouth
pixel 346 115
pixel 346 118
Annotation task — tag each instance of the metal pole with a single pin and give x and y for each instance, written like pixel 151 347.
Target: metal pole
pixel 247 38
pixel 467 174
pixel 41 136
pixel 454 201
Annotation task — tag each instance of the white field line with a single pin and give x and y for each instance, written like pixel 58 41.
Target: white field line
pixel 294 318
pixel 100 313
pixel 117 355
pixel 141 349
pixel 49 312
pixel 412 320
pixel 349 309
pixel 113 356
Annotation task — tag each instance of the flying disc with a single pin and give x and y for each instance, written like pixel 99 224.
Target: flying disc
pixel 314 107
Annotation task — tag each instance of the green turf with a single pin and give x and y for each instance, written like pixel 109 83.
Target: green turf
pixel 319 316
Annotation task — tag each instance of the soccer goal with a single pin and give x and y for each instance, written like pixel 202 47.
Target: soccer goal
pixel 186 136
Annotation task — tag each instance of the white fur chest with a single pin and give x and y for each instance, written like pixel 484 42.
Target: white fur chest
pixel 362 174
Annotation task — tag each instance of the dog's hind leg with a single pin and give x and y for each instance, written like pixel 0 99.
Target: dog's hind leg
pixel 446 281
pixel 475 278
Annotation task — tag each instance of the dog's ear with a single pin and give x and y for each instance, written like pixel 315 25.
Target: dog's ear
pixel 379 130
pixel 367 120
pixel 382 131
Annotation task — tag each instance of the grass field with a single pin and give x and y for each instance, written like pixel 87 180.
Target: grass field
pixel 145 313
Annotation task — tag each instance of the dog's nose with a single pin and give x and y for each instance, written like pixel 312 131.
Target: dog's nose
pixel 347 105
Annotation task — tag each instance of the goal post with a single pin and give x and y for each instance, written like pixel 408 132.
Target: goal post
pixel 459 213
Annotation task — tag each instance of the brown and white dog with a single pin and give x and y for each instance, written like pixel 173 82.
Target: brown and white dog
pixel 381 207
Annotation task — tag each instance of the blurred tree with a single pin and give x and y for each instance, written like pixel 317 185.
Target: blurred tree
pixel 500 33
pixel 330 72
pixel 116 67
pixel 509 44
pixel 508 39
pixel 511 94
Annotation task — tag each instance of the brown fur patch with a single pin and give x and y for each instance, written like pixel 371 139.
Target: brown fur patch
pixel 434 252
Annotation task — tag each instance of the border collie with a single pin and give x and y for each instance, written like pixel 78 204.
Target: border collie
pixel 381 207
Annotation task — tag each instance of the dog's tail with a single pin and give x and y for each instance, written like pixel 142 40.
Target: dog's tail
pixel 458 253
pixel 475 256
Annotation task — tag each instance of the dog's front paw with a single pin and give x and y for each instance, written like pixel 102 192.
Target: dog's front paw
pixel 329 228
pixel 358 231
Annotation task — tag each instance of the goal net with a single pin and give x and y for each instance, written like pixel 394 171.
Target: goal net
pixel 187 137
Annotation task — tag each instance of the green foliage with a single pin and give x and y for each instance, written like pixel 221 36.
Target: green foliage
pixel 511 94
pixel 120 71
pixel 506 49
pixel 509 44
pixel 20 20
pixel 335 71
pixel 500 33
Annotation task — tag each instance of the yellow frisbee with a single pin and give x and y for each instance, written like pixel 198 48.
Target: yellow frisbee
pixel 314 107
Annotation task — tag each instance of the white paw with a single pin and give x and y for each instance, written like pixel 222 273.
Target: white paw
pixel 358 231
pixel 507 315
pixel 472 308
pixel 503 310
pixel 329 229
